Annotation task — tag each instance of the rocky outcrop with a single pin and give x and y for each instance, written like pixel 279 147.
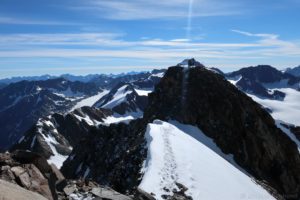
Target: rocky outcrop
pixel 85 189
pixel 27 175
pixel 31 172
pixel 111 156
pixel 237 124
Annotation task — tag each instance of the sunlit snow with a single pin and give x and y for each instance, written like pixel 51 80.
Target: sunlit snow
pixel 182 153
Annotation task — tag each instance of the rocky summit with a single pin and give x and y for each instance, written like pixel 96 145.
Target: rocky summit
pixel 237 124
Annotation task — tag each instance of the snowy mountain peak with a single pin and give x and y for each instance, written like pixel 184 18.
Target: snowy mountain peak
pixel 124 98
pixel 191 62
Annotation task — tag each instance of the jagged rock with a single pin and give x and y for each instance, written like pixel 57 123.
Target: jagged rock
pixel 110 155
pixel 85 189
pixel 142 195
pixel 58 175
pixel 109 194
pixel 30 171
pixel 24 180
pixel 70 189
pixel 18 170
pixel 7 174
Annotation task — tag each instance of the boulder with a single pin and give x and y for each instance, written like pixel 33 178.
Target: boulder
pixel 110 194
pixel 15 192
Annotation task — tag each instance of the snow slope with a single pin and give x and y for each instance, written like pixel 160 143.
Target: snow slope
pixel 90 101
pixel 143 92
pixel 288 133
pixel 182 153
pixel 287 110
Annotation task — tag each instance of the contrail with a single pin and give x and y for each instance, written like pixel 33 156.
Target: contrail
pixel 189 22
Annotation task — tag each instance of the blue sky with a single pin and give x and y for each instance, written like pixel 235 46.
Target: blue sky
pixel 112 36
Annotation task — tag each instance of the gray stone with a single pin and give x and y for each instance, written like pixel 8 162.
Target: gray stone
pixel 15 192
pixel 109 194
pixel 25 180
pixel 18 170
pixel 70 189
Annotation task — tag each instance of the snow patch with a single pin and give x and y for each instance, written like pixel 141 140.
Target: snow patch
pixel 118 98
pixel 160 75
pixel 126 118
pixel 235 80
pixel 141 92
pixel 57 159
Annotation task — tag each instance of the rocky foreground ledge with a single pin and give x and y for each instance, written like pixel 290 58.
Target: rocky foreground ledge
pixel 27 175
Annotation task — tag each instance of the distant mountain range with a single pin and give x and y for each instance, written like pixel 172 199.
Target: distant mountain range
pixel 69 77
pixel 24 102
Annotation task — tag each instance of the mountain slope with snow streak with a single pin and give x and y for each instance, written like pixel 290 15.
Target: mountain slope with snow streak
pixel 190 158
pixel 287 110
pixel 124 99
pixel 90 101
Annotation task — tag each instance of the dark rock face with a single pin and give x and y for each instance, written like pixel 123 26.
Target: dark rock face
pixel 237 124
pixel 264 74
pixel 66 130
pixel 2 85
pixel 131 102
pixel 294 129
pixel 250 86
pixel 253 79
pixel 111 156
pixel 294 71
pixel 23 103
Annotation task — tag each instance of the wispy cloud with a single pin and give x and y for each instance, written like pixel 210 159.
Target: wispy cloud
pixel 274 46
pixel 115 46
pixel 261 35
pixel 22 21
pixel 144 9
